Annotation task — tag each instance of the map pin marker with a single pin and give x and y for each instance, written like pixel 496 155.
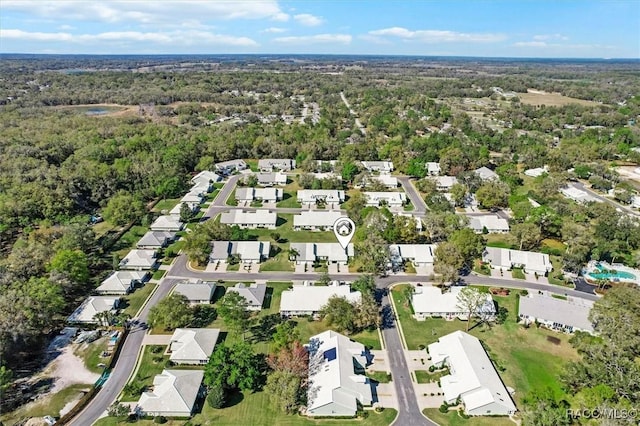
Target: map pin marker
pixel 344 228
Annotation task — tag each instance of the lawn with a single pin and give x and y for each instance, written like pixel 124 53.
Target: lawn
pixel 498 240
pixel 289 200
pixel 279 262
pixel 128 240
pixel 49 405
pixel 231 201
pixel 91 352
pixel 423 376
pixel 555 277
pixel 157 275
pixel 453 419
pixel 380 376
pixel 518 274
pixel 135 300
pixel 256 409
pixel 165 205
pixel 151 364
pixel 530 360
pixel 287 234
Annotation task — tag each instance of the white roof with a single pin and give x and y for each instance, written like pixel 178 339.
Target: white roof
pixel 316 218
pixel 120 281
pixel 231 163
pixel 139 259
pixel 175 211
pixel 278 163
pixel 419 253
pixel 192 197
pixel 196 291
pixel 486 173
pixel 272 178
pixel 417 219
pixel 389 197
pixel 490 221
pixel 312 298
pixel 190 344
pixel 326 175
pixel 329 195
pixel 174 391
pixel 386 180
pixel 578 195
pixel 445 181
pixel 241 217
pixel 205 177
pixel 431 300
pixel 167 223
pixel 538 171
pixel 91 306
pixel 332 376
pixel 473 377
pixel 250 194
pixel 506 258
pixel 155 238
pixel 253 293
pixel 433 168
pixel 333 252
pixel 378 165
pixel 572 311
pixel 248 250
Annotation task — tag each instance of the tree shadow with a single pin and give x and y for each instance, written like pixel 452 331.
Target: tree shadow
pixel 280 221
pixel 203 315
pixel 268 297
pixel 264 328
pixel 218 293
pixel 233 398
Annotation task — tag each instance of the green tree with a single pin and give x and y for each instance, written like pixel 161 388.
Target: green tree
pixel 233 310
pixel 526 236
pixel 284 392
pixel 6 377
pixel 216 397
pixel 118 410
pixel 367 313
pixel 542 409
pixel 171 312
pixel 124 208
pixel 197 247
pixel 234 367
pixel 73 264
pixel 448 261
pixel 493 195
pixel 354 206
pixel 340 313
pixel 349 170
pixel 365 284
pixel 285 334
pixel 469 300
pixel 373 254
pixel 186 213
pixel 416 168
pixel 324 279
pixel 469 244
pixel 459 193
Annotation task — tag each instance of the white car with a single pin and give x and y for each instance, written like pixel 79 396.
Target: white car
pixel 49 420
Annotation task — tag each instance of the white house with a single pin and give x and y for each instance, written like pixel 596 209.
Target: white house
pixel 266 195
pixel 249 251
pixel 336 376
pixel 271 179
pixel 578 195
pixel 491 222
pixel 313 196
pixel 253 293
pixel 167 223
pixel 309 299
pixel 472 377
pixel 92 305
pixel 197 292
pixel 390 182
pixel 175 211
pixel 250 219
pixel 282 164
pixel 121 282
pixel 433 168
pixel 378 166
pixel 444 183
pixel 192 345
pixel 316 220
pixel 231 166
pixel 538 171
pixel 416 219
pixel 139 260
pixel 486 174
pixel 205 178
pixel 391 199
pixel 193 197
pixel 174 394
pixel 154 240
pixel 531 262
pixel 428 301
pixel 420 255
pixel 310 253
pixel 562 313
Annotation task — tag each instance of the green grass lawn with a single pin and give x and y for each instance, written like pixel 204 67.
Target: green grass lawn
pixel 555 277
pixel 165 205
pixel 518 274
pixel 380 376
pixel 289 200
pixel 157 275
pixel 128 240
pixel 231 201
pixel 530 359
pixel 149 366
pixel 49 405
pixel 453 419
pixel 287 234
pixel 498 240
pixel 90 353
pixel 135 300
pixel 279 262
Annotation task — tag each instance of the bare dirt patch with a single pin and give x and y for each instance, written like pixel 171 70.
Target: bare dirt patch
pixel 537 97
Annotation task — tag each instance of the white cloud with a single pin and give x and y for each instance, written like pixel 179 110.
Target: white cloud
pixel 171 38
pixel 438 36
pixel 530 44
pixel 314 39
pixel 562 46
pixel 274 30
pixel 374 39
pixel 545 37
pixel 144 12
pixel 66 28
pixel 308 20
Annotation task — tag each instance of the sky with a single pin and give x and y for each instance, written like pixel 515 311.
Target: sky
pixel 501 28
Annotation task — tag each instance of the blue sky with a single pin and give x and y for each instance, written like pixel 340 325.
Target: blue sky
pixel 508 28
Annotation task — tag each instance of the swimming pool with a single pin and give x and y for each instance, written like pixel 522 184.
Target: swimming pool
pixel 610 274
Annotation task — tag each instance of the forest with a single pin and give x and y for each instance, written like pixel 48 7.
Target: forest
pixel 169 117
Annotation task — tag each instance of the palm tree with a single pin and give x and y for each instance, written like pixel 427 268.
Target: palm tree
pixel 293 254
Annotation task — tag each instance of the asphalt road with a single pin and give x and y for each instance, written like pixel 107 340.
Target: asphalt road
pixel 124 366
pixel 626 209
pixel 419 206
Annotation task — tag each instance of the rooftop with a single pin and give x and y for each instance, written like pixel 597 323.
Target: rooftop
pixel 572 311
pixel 188 344
pixel 173 391
pixel 309 298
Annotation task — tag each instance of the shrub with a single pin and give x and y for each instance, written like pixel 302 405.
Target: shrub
pixel 156 349
pixel 444 408
pixel 462 414
pixel 421 347
pixel 379 409
pixel 432 369
pixel 160 420
pixel 216 397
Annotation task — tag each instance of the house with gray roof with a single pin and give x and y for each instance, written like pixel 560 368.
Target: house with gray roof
pixel 175 211
pixel 433 168
pixel 310 253
pixel 308 299
pixel 249 251
pixel 428 301
pixel 154 240
pixel 226 168
pixel 378 166
pixel 253 293
pixel 486 174
pixel 260 218
pixel 205 179
pixel 271 179
pixel 332 197
pixel 266 195
pixel 174 394
pixel 93 305
pixel 316 220
pixel 390 199
pixel 421 255
pixel 473 379
pixel 337 383
pixel 444 183
pixel 271 164
pixel 192 345
pixel 494 224
pixel 531 262
pixel 139 260
pixel 122 282
pixel 197 292
pixel 167 223
pixel 561 313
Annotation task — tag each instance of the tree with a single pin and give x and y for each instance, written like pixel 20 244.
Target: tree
pixel 373 254
pixel 340 313
pixel 493 195
pixel 6 377
pixel 284 391
pixel 354 206
pixel 124 208
pixel 416 168
pixel 526 235
pixel 275 236
pixel 186 213
pixel 118 409
pixel 470 300
pixel 73 264
pixel 293 359
pixel 197 247
pixel 367 313
pixel 365 284
pixel 459 193
pixel 542 409
pixel 324 279
pixel 171 312
pixel 448 261
pixel 470 245
pixel 216 397
pixel 233 310
pixel 349 170
pixel 234 367
pixel 285 334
